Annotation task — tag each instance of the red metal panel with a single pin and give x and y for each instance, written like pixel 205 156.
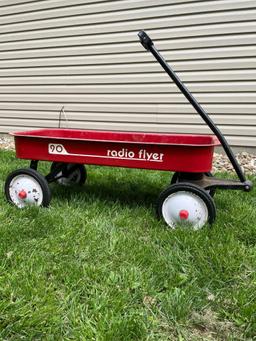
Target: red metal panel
pixel 172 152
pixel 117 136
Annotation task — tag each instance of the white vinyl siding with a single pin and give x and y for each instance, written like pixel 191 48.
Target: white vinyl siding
pixel 85 55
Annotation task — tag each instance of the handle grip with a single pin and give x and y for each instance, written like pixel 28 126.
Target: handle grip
pixel 145 40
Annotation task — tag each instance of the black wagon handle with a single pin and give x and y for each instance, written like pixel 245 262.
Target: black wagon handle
pixel 145 40
pixel 148 44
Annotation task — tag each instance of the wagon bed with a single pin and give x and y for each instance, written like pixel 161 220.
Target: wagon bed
pixel 172 152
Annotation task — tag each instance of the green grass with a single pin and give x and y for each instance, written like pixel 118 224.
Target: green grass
pixel 97 265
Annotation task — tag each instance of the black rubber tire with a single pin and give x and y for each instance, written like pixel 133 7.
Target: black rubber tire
pixel 80 167
pixel 175 179
pixel 205 196
pixel 37 176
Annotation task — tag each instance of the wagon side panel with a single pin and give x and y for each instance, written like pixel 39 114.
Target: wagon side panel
pixel 120 154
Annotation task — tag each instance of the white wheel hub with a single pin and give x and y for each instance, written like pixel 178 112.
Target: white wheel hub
pixel 24 191
pixel 186 208
pixel 72 178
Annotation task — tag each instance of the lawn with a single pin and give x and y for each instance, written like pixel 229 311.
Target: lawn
pixel 97 265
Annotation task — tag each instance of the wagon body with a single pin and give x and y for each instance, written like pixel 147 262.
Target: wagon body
pixel 171 152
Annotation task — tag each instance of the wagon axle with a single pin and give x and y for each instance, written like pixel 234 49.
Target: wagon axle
pixel 184 214
pixel 22 194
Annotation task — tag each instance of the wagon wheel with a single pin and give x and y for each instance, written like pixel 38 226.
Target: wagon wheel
pixel 175 179
pixel 27 187
pixel 186 204
pixel 68 174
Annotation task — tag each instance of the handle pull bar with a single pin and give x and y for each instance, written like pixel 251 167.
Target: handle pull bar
pixel 148 44
pixel 145 40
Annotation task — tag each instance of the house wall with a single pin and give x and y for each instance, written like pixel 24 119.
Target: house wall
pixel 85 55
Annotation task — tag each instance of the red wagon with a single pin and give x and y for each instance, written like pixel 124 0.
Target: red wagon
pixel 187 200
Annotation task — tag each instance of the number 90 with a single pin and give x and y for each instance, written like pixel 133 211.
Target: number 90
pixel 55 148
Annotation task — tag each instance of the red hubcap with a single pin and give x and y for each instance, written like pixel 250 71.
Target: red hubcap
pixel 184 214
pixel 22 194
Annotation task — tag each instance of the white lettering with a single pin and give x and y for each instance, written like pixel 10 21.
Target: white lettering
pixel 142 154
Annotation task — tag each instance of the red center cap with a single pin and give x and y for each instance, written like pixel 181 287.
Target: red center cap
pixel 184 214
pixel 22 194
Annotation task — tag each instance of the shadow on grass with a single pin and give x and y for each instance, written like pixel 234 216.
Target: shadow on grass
pixel 127 187
pixel 124 193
